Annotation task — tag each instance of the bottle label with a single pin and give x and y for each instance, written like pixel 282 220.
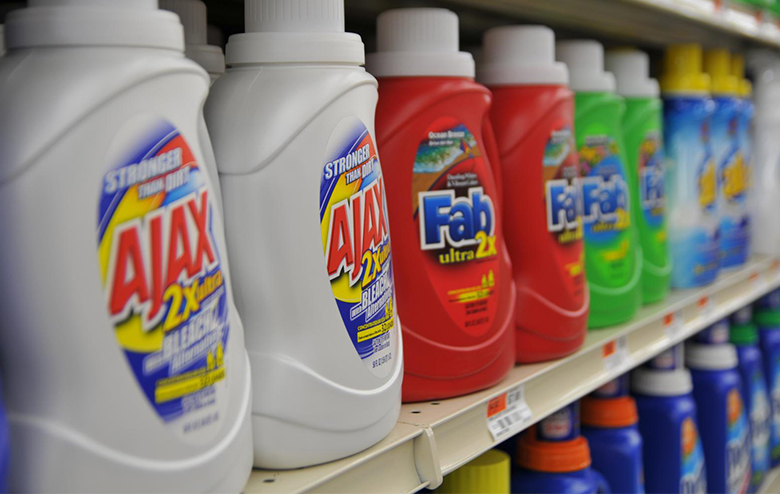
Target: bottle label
pixel 737 444
pixel 693 478
pixel 693 222
pixel 356 243
pixel 770 301
pixel 162 275
pixel 669 360
pixel 775 407
pixel 651 182
pixel 760 416
pixel 563 425
pixel 564 202
pixel 454 203
pixel 613 389
pixel 716 334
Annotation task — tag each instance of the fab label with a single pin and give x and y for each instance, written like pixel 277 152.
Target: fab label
pixel 162 275
pixel 356 243
pixel 453 203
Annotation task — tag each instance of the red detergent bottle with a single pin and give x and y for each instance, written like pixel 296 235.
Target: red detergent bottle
pixel 455 294
pixel 533 119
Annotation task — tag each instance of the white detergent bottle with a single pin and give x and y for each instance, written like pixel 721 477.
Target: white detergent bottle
pixel 193 16
pixel 292 122
pixel 764 197
pixel 122 352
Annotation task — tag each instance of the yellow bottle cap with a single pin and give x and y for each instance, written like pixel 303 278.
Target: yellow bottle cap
pixel 717 63
pixel 738 71
pixel 487 474
pixel 682 70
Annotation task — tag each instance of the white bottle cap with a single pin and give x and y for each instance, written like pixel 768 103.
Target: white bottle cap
pixel 419 42
pixel 193 17
pixel 303 31
pixel 520 55
pixel 661 383
pixel 702 356
pixel 585 59
pixel 631 69
pixel 136 23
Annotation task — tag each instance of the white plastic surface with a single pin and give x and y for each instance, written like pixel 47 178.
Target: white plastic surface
pixel 419 42
pixel 520 55
pixel 79 419
pixel 661 382
pixel 631 69
pixel 704 356
pixel 764 198
pixel 193 17
pixel 294 31
pixel 585 60
pixel 315 399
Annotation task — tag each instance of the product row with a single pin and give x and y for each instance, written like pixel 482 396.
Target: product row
pixel 711 427
pixel 201 277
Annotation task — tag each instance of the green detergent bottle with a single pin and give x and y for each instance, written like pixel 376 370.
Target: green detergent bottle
pixel 613 257
pixel 643 136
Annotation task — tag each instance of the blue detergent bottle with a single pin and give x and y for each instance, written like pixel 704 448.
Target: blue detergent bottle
pixel 744 337
pixel 722 418
pixel 766 316
pixel 609 423
pixel 672 449
pixel 4 448
pixel 715 334
pixel 552 457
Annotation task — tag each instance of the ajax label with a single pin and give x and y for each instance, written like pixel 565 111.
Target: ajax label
pixel 356 243
pixel 162 275
pixel 453 201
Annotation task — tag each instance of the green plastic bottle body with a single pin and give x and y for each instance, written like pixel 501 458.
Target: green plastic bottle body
pixel 643 135
pixel 613 257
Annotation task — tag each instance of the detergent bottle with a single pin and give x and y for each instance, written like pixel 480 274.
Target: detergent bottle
pixel 744 337
pixel 672 450
pixel 553 457
pixel 456 296
pixel 691 176
pixel 716 333
pixel 722 417
pixel 116 275
pixel 613 256
pixel 766 316
pixel 745 115
pixel 670 359
pixel 315 286
pixel 732 174
pixel 5 453
pixel 643 136
pixel 489 473
pixel 609 423
pixel 764 197
pixel 533 120
pixel 193 16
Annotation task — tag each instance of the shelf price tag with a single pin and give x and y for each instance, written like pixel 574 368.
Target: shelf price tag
pixel 673 324
pixel 615 354
pixel 508 413
pixel 706 305
pixel 757 282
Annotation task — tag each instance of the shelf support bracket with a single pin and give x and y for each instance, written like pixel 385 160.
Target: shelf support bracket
pixel 426 459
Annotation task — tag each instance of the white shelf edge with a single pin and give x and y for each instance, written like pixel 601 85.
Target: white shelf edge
pixel 431 440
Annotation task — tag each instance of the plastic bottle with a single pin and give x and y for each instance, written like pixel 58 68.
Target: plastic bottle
pixel 315 283
pixel 764 197
pixel 141 380
pixel 715 334
pixel 456 296
pixel 672 451
pixel 643 136
pixel 613 256
pixel 669 360
pixel 740 203
pixel 5 453
pixel 489 473
pixel 744 336
pixel 193 16
pixel 767 318
pixel 732 172
pixel 553 457
pixel 533 118
pixel 691 177
pixel 722 418
pixel 609 423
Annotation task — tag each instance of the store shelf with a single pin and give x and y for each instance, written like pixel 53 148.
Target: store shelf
pixel 771 483
pixel 433 439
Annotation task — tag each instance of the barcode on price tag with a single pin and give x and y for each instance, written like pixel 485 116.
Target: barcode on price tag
pixel 673 323
pixel 615 354
pixel 508 414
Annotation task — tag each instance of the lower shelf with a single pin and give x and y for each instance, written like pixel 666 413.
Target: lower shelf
pixel 434 438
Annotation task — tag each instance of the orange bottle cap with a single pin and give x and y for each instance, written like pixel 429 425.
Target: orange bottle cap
pixel 609 413
pixel 553 457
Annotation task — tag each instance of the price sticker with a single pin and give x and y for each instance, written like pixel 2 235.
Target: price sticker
pixel 706 305
pixel 673 324
pixel 508 413
pixel 615 354
pixel 757 282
